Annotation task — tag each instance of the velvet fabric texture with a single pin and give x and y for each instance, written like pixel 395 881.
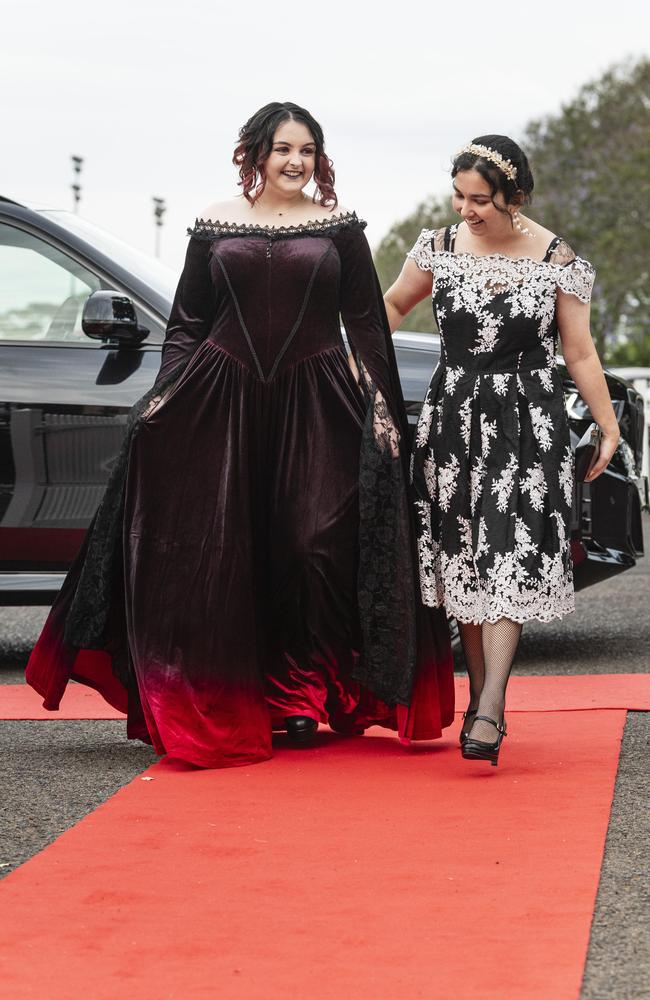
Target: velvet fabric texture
pixel 252 558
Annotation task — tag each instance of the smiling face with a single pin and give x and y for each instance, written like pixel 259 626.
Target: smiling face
pixel 473 200
pixel 291 162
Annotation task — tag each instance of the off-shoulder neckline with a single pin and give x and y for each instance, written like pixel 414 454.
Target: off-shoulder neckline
pixel 208 228
pixel 503 256
pixel 553 245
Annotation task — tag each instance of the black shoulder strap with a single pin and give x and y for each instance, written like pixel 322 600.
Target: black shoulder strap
pixel 449 242
pixel 552 247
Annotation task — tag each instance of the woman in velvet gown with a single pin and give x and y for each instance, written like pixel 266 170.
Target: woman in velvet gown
pixel 251 562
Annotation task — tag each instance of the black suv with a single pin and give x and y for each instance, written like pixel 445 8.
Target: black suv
pixel 74 358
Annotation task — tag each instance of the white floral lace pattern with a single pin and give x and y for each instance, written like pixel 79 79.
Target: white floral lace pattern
pixel 545 376
pixel 488 433
pixel 542 427
pixel 493 468
pixel 447 476
pixel 507 590
pixel 577 278
pixel 424 423
pixel 565 475
pixel 429 558
pixel 533 485
pixel 476 477
pixel 501 382
pixel 466 421
pixel 503 486
pixel 452 377
pixel 422 252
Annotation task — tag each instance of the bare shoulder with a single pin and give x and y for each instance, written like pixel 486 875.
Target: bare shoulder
pixel 325 213
pixel 541 233
pixel 558 250
pixel 230 210
pixel 238 211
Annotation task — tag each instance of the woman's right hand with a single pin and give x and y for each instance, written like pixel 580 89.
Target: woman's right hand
pixel 608 445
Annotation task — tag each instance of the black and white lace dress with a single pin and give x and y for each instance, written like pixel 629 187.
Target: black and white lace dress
pixel 492 467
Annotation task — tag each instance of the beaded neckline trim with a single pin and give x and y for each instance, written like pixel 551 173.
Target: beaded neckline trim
pixel 207 229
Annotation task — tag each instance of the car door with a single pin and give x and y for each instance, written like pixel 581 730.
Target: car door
pixel 64 399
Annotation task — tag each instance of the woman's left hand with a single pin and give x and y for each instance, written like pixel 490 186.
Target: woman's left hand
pixel 608 445
pixel 585 369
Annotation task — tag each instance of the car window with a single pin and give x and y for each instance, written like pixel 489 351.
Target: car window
pixel 147 269
pixel 42 291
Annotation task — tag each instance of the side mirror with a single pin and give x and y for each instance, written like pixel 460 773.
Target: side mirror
pixel 111 317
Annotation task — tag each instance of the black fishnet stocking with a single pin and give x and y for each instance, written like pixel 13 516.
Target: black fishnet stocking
pixel 471 640
pixel 500 641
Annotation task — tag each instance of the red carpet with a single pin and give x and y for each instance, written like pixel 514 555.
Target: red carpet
pixel 525 694
pixel 356 870
pixel 571 694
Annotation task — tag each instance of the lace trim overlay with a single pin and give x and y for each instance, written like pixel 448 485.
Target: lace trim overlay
pixel 206 229
pixel 87 619
pixel 496 271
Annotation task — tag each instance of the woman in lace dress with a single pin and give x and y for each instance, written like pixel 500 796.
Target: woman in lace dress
pixel 493 468
pixel 250 566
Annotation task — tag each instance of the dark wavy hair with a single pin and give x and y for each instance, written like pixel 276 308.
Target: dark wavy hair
pixel 519 191
pixel 256 143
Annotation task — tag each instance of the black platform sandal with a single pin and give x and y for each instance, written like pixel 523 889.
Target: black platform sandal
pixel 464 736
pixel 479 749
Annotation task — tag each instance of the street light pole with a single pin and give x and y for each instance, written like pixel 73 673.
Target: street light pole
pixel 77 163
pixel 159 209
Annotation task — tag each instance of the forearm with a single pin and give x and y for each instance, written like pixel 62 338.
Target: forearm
pixel 587 373
pixel 395 317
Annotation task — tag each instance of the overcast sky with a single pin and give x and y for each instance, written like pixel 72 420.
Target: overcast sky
pixel 152 94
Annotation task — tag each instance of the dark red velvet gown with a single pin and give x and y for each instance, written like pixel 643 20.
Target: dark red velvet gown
pixel 252 558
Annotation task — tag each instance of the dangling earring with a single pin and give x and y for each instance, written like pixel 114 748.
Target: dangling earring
pixel 524 230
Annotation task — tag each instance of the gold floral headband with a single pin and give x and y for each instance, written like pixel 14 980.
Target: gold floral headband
pixel 491 154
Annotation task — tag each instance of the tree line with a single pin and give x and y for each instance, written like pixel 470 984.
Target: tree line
pixel 592 187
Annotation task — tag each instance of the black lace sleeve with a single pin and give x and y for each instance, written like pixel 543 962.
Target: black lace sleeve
pixel 192 311
pixel 100 557
pixel 386 589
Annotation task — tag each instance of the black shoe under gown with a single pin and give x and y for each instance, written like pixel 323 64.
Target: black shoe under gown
pixel 252 556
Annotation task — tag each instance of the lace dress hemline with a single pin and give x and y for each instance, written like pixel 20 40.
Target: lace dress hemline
pixel 465 618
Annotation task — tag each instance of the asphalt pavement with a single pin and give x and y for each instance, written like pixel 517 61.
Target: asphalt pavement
pixel 54 773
